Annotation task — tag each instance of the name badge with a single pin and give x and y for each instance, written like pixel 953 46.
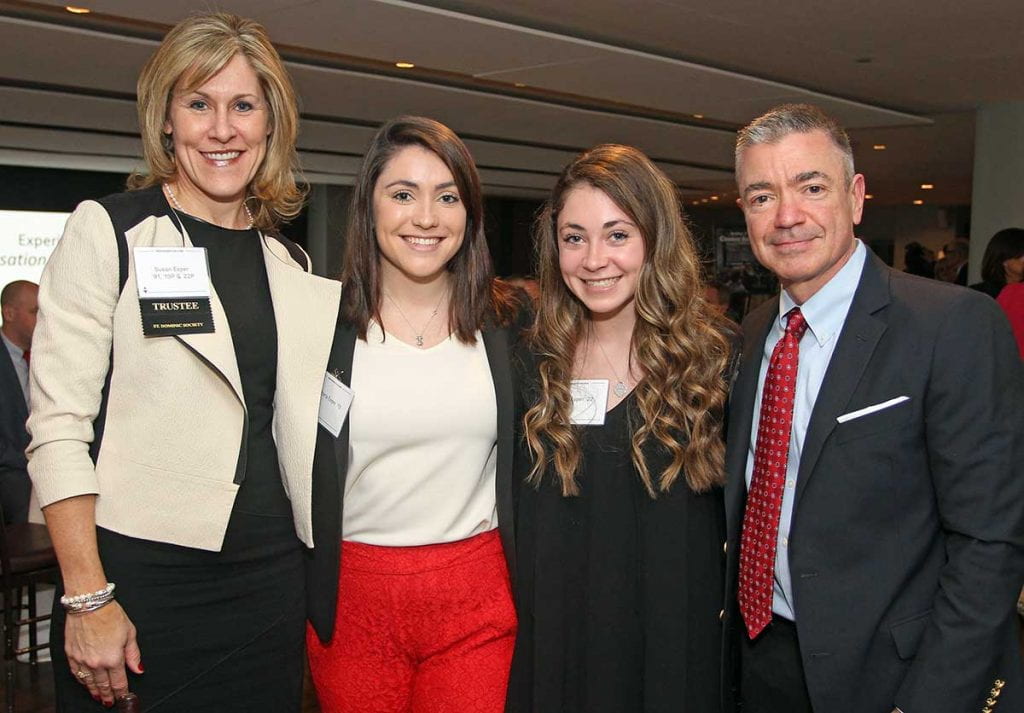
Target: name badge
pixel 174 290
pixel 589 401
pixel 335 400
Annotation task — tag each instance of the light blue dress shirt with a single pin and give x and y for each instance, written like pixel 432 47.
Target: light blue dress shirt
pixel 20 365
pixel 825 313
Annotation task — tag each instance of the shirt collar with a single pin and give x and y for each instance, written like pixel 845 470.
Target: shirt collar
pixel 13 349
pixel 826 310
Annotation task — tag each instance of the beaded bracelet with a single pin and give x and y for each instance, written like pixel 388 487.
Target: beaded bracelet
pixel 84 603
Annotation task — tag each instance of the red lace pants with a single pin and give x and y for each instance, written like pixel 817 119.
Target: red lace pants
pixel 418 630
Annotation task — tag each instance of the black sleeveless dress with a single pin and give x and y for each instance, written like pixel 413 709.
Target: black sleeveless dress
pixel 618 594
pixel 219 631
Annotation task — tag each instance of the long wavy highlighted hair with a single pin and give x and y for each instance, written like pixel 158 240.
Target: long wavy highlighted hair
pixel 678 340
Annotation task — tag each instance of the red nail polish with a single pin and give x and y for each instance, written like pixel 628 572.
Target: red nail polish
pixel 142 669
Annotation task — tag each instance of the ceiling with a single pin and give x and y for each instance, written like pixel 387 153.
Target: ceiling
pixel 529 83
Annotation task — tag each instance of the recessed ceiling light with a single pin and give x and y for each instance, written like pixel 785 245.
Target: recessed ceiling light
pixel 77 10
pixel 879 147
pixel 868 196
pixel 927 186
pixel 919 202
pixel 703 200
pixel 714 198
pixel 520 85
pixel 404 65
pixel 698 116
pixel 696 202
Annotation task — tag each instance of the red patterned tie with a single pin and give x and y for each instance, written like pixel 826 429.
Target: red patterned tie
pixel 26 355
pixel 764 502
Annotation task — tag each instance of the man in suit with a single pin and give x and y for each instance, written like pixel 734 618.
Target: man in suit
pixel 875 490
pixel 19 306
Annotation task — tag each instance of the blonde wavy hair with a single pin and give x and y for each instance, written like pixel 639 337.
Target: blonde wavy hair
pixel 678 341
pixel 193 51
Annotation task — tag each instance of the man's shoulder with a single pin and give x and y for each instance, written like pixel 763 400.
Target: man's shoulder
pixel 933 300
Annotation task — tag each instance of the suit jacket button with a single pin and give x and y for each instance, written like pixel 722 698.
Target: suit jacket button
pixel 721 615
pixel 725 547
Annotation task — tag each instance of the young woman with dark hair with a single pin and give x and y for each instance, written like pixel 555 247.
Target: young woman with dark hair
pixel 421 617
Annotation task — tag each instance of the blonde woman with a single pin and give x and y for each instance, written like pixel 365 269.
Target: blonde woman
pixel 619 522
pixel 173 456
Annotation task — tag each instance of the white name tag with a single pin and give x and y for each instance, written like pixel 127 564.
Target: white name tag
pixel 171 272
pixel 335 400
pixel 589 401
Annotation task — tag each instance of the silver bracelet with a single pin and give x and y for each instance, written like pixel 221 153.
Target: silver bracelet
pixel 91 601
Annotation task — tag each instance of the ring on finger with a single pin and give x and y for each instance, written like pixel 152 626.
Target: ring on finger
pixel 103 684
pixel 82 675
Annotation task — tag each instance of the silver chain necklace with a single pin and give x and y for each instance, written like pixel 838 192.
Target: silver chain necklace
pixel 418 334
pixel 177 205
pixel 620 387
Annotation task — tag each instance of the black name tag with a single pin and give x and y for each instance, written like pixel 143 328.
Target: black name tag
pixel 169 316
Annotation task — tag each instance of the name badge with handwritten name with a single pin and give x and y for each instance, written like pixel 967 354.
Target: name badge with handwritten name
pixel 589 401
pixel 174 291
pixel 335 400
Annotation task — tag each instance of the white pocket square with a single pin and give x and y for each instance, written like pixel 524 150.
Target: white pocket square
pixel 871 409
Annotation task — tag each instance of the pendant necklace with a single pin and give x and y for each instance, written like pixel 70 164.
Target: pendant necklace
pixel 418 334
pixel 620 387
pixel 177 206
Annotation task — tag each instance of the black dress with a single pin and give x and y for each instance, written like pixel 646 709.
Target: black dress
pixel 218 631
pixel 618 594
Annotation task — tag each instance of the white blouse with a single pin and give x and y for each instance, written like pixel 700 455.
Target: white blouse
pixel 422 443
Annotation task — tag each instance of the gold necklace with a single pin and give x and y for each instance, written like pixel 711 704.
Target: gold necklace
pixel 419 336
pixel 620 387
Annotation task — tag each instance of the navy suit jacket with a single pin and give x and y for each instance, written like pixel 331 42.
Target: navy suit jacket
pixel 907 542
pixel 13 414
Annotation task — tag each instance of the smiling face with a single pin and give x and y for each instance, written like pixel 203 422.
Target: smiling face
pixel 600 251
pixel 800 212
pixel 220 134
pixel 419 216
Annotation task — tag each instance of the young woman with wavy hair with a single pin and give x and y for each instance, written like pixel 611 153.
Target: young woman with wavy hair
pixel 619 521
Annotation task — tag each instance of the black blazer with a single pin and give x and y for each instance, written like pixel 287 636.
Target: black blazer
pixel 13 414
pixel 330 467
pixel 907 541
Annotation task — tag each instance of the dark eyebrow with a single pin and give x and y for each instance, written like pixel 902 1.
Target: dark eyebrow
pixel 609 224
pixel 758 186
pixel 810 176
pixel 413 184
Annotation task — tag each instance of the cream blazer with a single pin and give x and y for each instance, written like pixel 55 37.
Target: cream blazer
pixel 176 417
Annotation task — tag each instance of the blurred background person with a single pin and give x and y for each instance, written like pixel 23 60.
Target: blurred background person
pixel 919 260
pixel 412 609
pixel 1003 263
pixel 620 519
pixel 952 263
pixel 1011 299
pixel 19 304
pixel 178 466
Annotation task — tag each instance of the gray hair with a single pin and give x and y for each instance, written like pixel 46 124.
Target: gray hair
pixel 788 119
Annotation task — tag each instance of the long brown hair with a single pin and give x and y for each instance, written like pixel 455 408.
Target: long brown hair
pixel 677 341
pixel 475 294
pixel 194 50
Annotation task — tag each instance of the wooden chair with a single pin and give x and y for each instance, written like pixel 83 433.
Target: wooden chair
pixel 26 559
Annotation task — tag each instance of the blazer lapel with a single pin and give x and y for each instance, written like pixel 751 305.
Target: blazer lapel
pixel 216 349
pixel 741 412
pixel 496 344
pixel 306 311
pixel 340 364
pixel 857 341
